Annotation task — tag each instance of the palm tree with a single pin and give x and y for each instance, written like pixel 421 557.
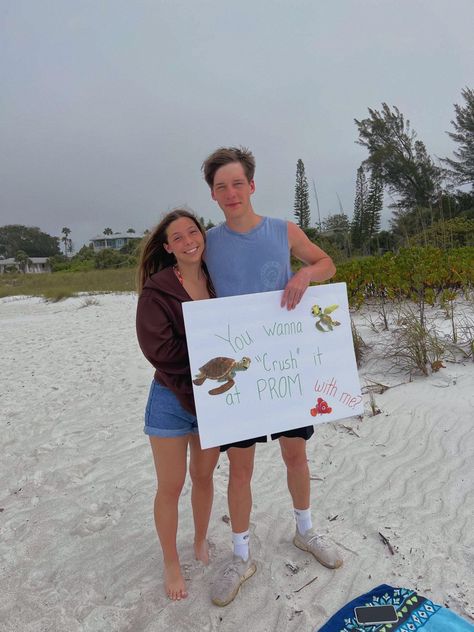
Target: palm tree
pixel 23 260
pixel 65 239
pixel 108 231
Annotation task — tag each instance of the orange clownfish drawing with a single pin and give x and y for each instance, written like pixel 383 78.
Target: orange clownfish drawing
pixel 321 408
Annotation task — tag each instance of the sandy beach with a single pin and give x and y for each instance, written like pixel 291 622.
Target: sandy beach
pixel 78 545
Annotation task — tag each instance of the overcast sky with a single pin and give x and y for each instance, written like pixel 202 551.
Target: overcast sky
pixel 108 107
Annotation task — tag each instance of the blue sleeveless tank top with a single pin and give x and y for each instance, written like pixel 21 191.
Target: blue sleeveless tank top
pixel 246 263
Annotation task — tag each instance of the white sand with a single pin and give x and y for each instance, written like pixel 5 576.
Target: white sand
pixel 78 547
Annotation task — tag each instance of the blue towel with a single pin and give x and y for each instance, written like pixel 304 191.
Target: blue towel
pixel 414 613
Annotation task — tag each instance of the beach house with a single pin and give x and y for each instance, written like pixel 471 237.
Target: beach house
pixel 33 265
pixel 114 241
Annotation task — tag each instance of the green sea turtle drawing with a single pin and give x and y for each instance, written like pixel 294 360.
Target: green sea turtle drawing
pixel 222 370
pixel 324 321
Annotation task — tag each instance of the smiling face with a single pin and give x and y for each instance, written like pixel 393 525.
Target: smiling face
pixel 232 191
pixel 185 241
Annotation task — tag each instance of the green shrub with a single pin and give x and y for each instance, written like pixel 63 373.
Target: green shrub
pixel 418 274
pixel 451 233
pixel 68 283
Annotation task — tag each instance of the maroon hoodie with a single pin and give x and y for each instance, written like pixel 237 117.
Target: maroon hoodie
pixel 161 334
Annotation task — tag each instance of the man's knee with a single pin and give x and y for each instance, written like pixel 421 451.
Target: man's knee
pixel 241 466
pixel 293 452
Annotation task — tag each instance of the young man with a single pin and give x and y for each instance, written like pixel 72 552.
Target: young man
pixel 247 254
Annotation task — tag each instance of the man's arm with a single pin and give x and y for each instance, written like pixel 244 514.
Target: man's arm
pixel 319 266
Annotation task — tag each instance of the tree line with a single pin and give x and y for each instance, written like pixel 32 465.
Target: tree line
pixel 428 207
pixel 426 198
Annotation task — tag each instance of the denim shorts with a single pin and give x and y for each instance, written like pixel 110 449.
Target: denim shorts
pixel 164 415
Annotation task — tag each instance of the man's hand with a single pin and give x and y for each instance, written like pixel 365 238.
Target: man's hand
pixel 319 266
pixel 295 288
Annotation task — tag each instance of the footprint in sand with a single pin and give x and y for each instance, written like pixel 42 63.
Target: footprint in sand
pixel 100 517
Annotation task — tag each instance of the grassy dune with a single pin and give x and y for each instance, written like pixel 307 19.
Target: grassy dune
pixel 61 285
pixel 418 273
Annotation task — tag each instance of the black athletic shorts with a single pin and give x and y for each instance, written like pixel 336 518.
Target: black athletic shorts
pixel 301 433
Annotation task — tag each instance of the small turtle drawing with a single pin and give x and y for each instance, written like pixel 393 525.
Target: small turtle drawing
pixel 222 370
pixel 325 322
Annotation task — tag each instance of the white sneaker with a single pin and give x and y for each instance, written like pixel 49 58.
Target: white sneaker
pixel 230 578
pixel 318 546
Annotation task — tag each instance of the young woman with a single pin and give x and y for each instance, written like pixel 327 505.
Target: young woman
pixel 170 272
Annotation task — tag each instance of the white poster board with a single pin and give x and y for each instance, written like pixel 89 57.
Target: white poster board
pixel 289 368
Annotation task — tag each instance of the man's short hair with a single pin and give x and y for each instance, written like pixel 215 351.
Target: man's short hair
pixel 225 156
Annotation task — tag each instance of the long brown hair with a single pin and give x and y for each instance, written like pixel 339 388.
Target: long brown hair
pixel 153 256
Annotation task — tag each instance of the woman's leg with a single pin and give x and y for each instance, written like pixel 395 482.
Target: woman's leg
pixel 169 455
pixel 201 469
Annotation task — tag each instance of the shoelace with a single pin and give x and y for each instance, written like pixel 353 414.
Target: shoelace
pixel 232 568
pixel 319 541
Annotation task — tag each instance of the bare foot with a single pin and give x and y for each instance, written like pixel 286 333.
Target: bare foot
pixel 175 585
pixel 201 551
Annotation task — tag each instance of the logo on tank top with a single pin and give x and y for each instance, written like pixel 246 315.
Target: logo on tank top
pixel 270 274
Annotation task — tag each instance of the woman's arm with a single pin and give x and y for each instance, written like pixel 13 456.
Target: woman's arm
pixel 162 346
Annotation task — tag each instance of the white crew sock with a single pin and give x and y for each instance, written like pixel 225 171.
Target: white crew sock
pixel 303 519
pixel 241 544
